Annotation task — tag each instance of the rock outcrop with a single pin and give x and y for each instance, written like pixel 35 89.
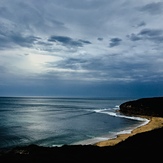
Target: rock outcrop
pixel 144 106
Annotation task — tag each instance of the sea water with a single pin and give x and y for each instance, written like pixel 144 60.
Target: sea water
pixel 49 121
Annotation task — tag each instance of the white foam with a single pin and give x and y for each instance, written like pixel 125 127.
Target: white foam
pixel 109 112
pixel 91 141
pixel 101 110
pixel 128 131
pixel 57 145
pixel 112 135
pixel 124 132
pixel 116 107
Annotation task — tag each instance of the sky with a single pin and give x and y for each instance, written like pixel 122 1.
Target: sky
pixel 88 48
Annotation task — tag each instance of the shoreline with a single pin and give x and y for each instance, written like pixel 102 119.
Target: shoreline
pixel 153 123
pixel 108 137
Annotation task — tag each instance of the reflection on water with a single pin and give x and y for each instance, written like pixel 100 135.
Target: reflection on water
pixel 57 121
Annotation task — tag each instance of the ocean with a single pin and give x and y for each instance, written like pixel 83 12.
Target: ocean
pixel 49 122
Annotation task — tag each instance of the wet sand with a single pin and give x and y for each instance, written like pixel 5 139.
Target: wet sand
pixel 154 123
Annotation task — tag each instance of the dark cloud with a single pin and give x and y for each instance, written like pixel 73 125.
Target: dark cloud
pixel 30 16
pixel 155 35
pixel 84 41
pixel 151 32
pixel 69 63
pixel 44 43
pixel 153 8
pixel 8 38
pixel 141 24
pixel 115 42
pixel 24 41
pixel 68 41
pixel 100 39
pixel 134 37
pixel 103 69
pixel 93 64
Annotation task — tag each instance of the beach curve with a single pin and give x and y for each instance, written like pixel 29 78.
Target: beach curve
pixel 153 123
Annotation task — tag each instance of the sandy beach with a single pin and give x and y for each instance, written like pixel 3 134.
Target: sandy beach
pixel 154 123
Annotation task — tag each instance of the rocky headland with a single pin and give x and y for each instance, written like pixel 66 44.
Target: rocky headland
pixel 144 106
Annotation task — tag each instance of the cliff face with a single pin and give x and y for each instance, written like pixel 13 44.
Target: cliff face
pixel 144 106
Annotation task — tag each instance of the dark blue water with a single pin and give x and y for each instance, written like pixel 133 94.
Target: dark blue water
pixel 58 121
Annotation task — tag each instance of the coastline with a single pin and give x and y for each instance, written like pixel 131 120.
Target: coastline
pixel 142 144
pixel 153 123
pixel 111 137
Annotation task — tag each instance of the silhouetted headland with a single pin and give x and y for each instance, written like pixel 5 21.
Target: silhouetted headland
pixel 144 106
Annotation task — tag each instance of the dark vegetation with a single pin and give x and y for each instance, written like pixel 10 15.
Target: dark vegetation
pixel 144 106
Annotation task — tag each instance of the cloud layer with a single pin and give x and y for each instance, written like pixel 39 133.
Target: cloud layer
pixel 55 44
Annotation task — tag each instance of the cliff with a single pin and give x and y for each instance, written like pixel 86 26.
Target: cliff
pixel 144 106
